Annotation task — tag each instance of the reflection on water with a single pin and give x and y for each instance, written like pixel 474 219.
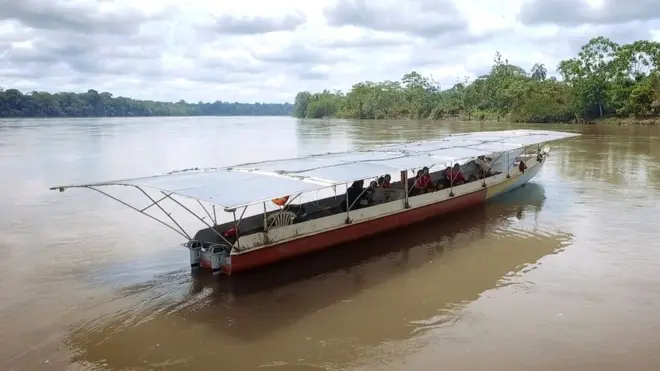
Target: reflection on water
pixel 389 287
pixel 562 273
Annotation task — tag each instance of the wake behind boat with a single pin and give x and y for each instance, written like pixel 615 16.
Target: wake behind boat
pixel 433 178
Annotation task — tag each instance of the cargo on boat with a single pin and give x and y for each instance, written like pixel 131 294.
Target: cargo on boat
pixel 367 191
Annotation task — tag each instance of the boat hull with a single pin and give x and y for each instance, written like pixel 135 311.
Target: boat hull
pixel 353 231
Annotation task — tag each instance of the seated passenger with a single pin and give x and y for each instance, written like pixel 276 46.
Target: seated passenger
pixel 455 176
pixel 430 187
pixel 414 190
pixel 231 235
pixel 353 193
pixel 384 181
pixel 423 182
pixel 369 194
pixel 444 181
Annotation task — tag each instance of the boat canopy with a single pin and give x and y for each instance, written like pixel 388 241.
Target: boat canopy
pixel 252 183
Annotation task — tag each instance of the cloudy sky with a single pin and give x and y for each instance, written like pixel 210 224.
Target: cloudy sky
pixel 258 50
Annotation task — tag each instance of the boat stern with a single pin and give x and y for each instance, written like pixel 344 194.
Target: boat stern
pixel 213 256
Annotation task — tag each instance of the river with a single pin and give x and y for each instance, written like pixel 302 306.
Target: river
pixel 562 274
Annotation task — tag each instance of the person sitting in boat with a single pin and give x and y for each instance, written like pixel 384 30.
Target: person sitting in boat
pixel 415 190
pixel 384 181
pixel 369 194
pixel 443 182
pixel 447 176
pixel 430 184
pixel 423 183
pixel 231 235
pixel 353 194
pixel 388 181
pixel 455 176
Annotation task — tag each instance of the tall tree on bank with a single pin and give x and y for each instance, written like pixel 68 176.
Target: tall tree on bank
pixel 605 78
pixel 539 72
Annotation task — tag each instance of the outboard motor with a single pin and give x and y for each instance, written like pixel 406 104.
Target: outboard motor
pixel 213 257
pixel 195 249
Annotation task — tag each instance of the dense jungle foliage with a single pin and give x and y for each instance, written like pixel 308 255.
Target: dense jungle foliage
pixel 13 103
pixel 604 79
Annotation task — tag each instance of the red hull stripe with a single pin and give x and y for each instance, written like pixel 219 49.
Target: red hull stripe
pixel 323 240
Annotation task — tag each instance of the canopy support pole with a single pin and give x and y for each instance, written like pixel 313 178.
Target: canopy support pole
pixel 348 207
pixel 265 220
pixel 490 167
pixel 206 211
pixel 180 232
pixel 236 225
pixel 241 217
pixel 404 181
pixel 356 200
pixel 265 224
pixel 200 219
pixel 451 179
pixel 411 186
pixel 161 208
pixel 238 236
pixel 153 203
pixel 215 218
pixel 282 209
pixel 508 165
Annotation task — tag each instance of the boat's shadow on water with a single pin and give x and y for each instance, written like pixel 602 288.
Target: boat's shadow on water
pixel 394 280
pixel 435 234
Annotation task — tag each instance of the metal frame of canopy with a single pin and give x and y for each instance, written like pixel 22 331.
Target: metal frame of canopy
pixel 365 164
pixel 315 185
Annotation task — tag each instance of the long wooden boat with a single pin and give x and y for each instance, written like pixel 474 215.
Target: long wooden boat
pixel 293 228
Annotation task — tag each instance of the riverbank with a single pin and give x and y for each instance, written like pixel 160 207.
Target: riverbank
pixel 653 120
pixel 607 120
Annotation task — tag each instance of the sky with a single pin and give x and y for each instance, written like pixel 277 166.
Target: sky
pixel 267 51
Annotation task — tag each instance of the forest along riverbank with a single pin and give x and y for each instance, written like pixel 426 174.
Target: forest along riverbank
pixel 546 278
pixel 605 80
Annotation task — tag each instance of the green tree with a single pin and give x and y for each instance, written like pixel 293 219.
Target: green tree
pixel 13 103
pixel 603 79
pixel 539 72
pixel 300 104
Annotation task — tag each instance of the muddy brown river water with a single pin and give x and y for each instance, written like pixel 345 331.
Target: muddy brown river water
pixel 562 274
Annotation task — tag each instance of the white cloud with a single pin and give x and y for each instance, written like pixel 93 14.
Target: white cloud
pixel 255 50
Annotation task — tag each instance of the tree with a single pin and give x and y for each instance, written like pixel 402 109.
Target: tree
pixel 539 71
pixel 604 78
pixel 300 103
pixel 590 73
pixel 13 103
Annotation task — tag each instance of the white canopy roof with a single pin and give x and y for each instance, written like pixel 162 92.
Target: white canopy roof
pixel 253 183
